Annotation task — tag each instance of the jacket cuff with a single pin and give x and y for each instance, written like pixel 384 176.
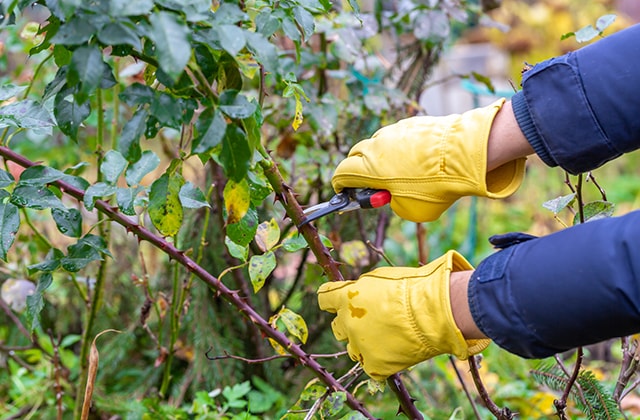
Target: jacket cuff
pixel 525 121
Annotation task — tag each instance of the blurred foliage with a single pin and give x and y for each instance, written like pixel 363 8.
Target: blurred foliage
pixel 169 111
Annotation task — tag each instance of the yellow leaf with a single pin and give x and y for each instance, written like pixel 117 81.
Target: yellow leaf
pixel 277 347
pixel 298 118
pixel 267 235
pixel 165 208
pixel 295 324
pixel 237 198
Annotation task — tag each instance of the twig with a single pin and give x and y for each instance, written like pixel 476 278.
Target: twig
pixel 628 367
pixel 232 296
pixel 500 413
pixel 602 192
pixel 465 388
pixel 56 374
pixel 580 199
pixel 270 358
pixel 561 404
pixel 380 252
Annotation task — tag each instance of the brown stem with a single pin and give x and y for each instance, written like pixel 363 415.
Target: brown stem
pixel 231 296
pixel 562 403
pixel 628 367
pixel 500 413
pixel 465 388
pixel 423 251
pixel 602 192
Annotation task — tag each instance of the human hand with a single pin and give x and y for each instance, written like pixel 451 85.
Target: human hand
pixel 396 317
pixel 427 163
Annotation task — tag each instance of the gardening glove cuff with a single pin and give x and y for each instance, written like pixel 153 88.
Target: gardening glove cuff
pixel 427 163
pixel 396 317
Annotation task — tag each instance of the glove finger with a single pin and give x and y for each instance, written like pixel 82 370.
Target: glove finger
pixel 339 331
pixel 417 210
pixel 331 295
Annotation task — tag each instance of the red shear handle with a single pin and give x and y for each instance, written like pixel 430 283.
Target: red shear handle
pixel 370 198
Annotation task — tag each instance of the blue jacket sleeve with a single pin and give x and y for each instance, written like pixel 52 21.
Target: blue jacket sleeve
pixel 537 297
pixel 580 110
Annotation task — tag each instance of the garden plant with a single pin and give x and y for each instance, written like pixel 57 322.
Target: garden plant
pixel 157 159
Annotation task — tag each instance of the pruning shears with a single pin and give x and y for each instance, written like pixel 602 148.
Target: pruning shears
pixel 347 200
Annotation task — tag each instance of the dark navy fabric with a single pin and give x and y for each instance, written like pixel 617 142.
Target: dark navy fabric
pixel 571 288
pixel 580 110
pixel 539 296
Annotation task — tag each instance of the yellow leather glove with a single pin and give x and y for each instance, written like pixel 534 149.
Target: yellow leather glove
pixel 396 317
pixel 427 163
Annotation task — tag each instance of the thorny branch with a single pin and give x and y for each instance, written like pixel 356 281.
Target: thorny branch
pixel 330 268
pixel 232 296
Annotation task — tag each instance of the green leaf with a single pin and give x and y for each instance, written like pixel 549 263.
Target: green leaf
pixel 595 210
pixel 260 266
pixel 229 76
pixel 558 204
pixel 35 302
pixel 137 94
pixel 192 197
pixel 165 209
pixel 169 110
pixel 210 128
pixel 35 197
pixel 26 114
pixel 313 392
pixel 295 324
pixel 133 130
pixel 116 33
pixel 10 90
pixel 267 235
pixel 88 249
pixel 237 199
pixel 78 258
pixel 51 263
pixel 95 242
pixel 6 178
pixel 76 31
pixel 237 391
pixel 130 7
pixel 235 155
pixel 112 166
pixel 86 68
pixel 70 114
pixel 264 51
pixel 68 222
pixel 172 43
pixel 243 232
pixel 237 251
pixel 266 23
pixel 95 191
pixel 305 21
pixel 231 38
pixel 125 197
pixel 235 105
pixel 148 162
pixel 294 243
pixel 333 404
pixel 9 224
pixel 252 126
pixel 39 176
